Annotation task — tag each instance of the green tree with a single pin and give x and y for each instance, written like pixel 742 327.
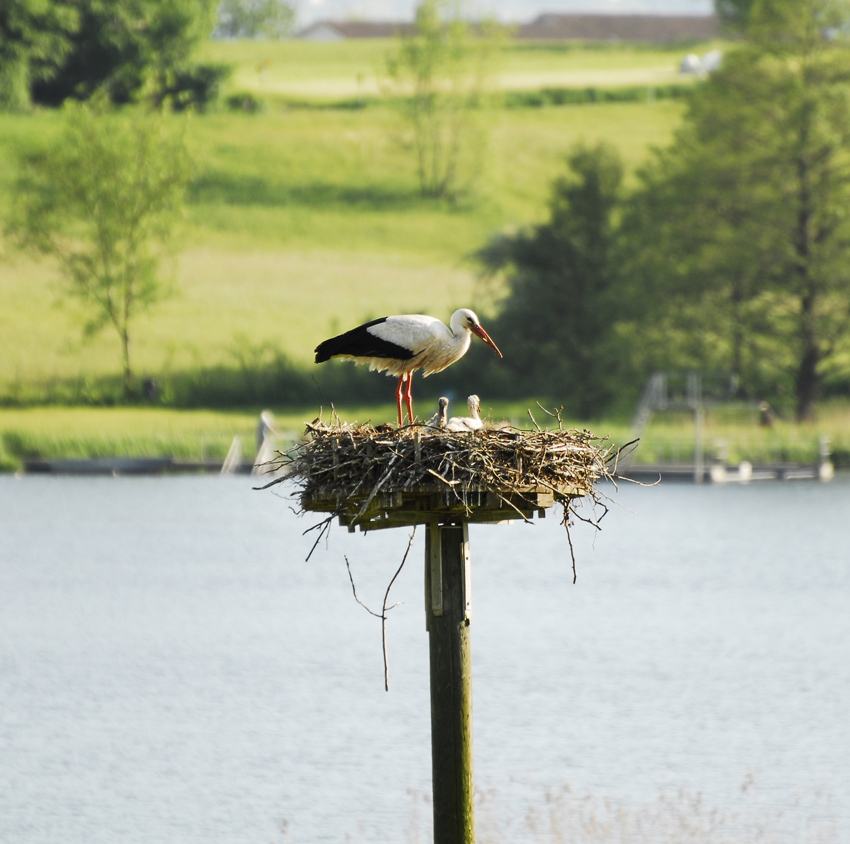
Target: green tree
pixel 254 19
pixel 34 35
pixel 121 47
pixel 558 316
pixel 103 201
pixel 734 14
pixel 743 221
pixel 442 69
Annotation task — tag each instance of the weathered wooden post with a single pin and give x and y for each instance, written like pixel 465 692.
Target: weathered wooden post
pixel 375 478
pixel 447 614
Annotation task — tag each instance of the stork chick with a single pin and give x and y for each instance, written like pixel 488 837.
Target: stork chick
pixel 468 423
pixel 441 417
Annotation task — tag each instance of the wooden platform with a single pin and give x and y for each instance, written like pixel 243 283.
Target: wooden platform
pixel 424 505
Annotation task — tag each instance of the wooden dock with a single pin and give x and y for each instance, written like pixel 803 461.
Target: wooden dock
pixel 719 473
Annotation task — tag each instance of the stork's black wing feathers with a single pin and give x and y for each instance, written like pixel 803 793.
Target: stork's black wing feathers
pixel 360 343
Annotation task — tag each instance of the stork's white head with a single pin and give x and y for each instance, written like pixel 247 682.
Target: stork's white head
pixel 464 319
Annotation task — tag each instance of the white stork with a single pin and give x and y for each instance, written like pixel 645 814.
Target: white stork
pixel 400 345
pixel 468 423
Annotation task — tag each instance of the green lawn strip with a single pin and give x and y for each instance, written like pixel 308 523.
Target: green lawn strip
pixel 357 67
pixel 58 432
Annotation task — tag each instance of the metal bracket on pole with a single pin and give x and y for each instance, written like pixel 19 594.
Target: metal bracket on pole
pixel 467 576
pixel 434 599
pixel 433 572
pixel 436 569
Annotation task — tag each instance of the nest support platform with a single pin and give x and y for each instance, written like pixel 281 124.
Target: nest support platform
pixel 426 505
pixel 382 477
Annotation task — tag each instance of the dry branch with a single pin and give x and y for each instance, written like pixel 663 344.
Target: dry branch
pixel 384 607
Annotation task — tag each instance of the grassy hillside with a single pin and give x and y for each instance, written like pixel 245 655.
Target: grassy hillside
pixel 303 221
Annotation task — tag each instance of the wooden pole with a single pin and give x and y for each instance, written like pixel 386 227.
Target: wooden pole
pixel 447 592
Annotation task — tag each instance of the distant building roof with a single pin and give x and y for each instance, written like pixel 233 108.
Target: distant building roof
pixel 340 30
pixel 557 27
pixel 651 28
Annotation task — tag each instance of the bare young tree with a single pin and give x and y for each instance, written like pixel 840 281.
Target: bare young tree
pixel 441 70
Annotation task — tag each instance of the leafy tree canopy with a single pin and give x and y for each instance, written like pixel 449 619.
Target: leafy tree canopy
pixel 734 14
pixel 558 314
pixel 776 22
pixel 34 36
pixel 255 19
pixel 741 228
pixel 74 48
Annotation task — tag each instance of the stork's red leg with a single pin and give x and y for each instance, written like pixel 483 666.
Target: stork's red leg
pixel 408 397
pixel 398 393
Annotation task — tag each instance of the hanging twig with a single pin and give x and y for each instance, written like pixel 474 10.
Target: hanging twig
pixel 323 527
pixel 354 590
pixel 384 611
pixel 384 608
pixel 594 521
pixel 570 540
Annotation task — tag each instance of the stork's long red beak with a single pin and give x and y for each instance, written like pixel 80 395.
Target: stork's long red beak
pixel 486 338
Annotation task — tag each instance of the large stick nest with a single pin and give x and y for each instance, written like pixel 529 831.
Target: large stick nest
pixel 353 469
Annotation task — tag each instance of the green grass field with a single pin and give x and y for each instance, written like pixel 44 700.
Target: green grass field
pixel 302 222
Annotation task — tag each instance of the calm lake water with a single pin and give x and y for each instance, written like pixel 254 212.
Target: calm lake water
pixel 172 670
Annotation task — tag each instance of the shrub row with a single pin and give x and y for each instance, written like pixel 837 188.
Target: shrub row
pixel 539 98
pixel 583 96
